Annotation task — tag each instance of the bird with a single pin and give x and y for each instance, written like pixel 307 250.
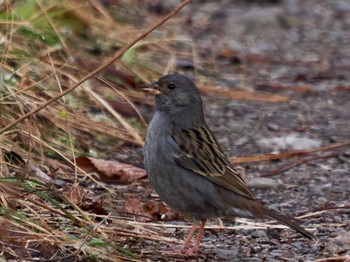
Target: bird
pixel 188 168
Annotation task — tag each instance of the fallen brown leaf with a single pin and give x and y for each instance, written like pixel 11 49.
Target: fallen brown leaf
pixel 111 170
pixel 150 209
pixel 97 206
pixel 136 207
pixel 75 194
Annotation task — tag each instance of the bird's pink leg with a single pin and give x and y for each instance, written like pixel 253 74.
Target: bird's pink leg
pixel 188 239
pixel 195 248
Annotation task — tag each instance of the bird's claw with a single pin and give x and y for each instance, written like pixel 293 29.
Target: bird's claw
pixel 190 251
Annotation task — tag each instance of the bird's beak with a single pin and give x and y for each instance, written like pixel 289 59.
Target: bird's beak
pixel 152 88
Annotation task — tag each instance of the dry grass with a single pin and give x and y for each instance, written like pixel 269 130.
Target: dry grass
pixel 47 47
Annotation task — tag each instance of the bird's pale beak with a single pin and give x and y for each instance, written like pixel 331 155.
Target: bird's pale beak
pixel 152 88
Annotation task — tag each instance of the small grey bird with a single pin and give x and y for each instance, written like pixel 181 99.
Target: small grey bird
pixel 187 167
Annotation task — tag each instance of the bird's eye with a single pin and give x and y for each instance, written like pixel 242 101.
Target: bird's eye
pixel 171 86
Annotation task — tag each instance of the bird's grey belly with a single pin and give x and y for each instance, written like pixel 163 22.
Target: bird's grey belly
pixel 188 196
pixel 189 193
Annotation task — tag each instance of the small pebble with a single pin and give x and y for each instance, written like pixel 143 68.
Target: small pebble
pixel 341 242
pixel 241 141
pixel 258 234
pixel 273 127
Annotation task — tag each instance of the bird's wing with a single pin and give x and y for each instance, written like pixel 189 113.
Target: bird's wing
pixel 199 152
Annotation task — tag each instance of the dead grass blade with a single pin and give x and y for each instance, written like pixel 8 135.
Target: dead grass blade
pixel 125 124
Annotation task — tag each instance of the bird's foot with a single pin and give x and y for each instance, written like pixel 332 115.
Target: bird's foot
pixel 190 251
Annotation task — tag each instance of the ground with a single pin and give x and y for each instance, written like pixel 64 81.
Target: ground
pixel 275 82
pixel 298 49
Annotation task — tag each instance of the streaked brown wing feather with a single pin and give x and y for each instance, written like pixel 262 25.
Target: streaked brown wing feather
pixel 201 153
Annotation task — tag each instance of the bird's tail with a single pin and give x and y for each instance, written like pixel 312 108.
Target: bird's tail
pixel 284 220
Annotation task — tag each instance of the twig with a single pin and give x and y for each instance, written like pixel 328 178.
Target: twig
pixel 320 211
pixel 100 68
pixel 297 163
pixel 333 259
pixel 243 95
pixel 238 160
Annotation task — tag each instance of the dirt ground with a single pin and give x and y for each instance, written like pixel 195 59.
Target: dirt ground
pixel 298 49
pixel 274 75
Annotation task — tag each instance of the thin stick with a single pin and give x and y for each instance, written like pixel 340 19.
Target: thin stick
pixel 296 163
pixel 246 159
pixel 100 68
pixel 333 259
